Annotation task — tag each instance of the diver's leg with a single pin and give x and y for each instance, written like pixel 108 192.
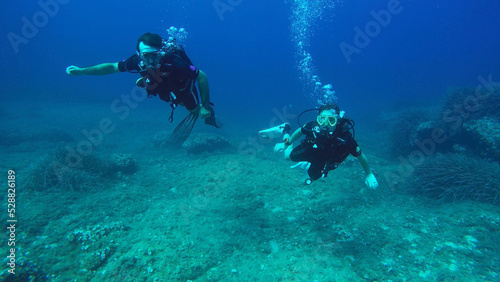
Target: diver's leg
pixel 309 160
pixel 195 110
pixel 299 154
pixel 189 99
pixel 287 153
pixel 314 171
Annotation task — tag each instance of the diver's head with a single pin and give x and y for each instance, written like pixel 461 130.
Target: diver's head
pixel 150 39
pixel 328 115
pixel 149 49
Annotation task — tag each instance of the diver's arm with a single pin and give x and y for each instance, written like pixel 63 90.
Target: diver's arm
pixel 101 69
pixel 286 144
pixel 364 163
pixel 370 180
pixel 296 135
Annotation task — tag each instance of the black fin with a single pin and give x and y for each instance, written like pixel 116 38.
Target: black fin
pixel 211 120
pixel 183 129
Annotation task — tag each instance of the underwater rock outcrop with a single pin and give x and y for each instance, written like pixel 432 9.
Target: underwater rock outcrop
pixel 407 127
pixel 160 139
pixel 125 163
pixel 465 104
pixel 472 119
pixel 483 136
pixel 206 143
pixel 62 171
pixel 468 121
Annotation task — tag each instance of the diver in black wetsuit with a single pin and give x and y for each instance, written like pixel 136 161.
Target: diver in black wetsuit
pixel 327 143
pixel 165 71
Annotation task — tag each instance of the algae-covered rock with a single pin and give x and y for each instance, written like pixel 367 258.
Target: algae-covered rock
pixel 63 171
pixel 483 136
pixel 160 140
pixel 206 143
pixel 125 163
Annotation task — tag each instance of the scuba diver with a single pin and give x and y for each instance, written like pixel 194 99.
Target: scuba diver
pixel 165 71
pixel 327 143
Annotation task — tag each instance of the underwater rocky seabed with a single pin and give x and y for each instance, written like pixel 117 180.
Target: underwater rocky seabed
pixel 226 215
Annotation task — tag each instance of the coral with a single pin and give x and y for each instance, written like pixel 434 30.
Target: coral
pixel 453 177
pixel 205 143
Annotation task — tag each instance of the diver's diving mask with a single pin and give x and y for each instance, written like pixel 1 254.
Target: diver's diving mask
pixel 151 59
pixel 327 120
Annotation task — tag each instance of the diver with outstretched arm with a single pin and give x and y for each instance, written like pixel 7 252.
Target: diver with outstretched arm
pixel 165 71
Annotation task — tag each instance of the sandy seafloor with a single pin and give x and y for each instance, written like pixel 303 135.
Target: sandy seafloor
pixel 233 215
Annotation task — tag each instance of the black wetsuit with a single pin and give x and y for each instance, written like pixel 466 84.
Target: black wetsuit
pixel 174 81
pixel 323 150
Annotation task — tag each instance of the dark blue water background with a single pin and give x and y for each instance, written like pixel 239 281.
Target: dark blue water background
pixel 249 56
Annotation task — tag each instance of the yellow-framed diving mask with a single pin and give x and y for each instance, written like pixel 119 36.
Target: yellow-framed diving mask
pixel 326 120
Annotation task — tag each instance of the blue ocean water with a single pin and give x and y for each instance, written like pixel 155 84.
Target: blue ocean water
pixel 243 215
pixel 248 50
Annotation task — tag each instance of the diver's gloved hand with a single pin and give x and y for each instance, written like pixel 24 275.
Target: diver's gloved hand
pixel 279 147
pixel 74 70
pixel 371 181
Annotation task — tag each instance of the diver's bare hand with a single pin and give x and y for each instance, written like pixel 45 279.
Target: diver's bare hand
pixel 279 147
pixel 204 113
pixel 371 181
pixel 74 70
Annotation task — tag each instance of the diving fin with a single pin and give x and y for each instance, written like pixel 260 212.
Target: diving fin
pixel 183 129
pixel 212 120
pixel 276 131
